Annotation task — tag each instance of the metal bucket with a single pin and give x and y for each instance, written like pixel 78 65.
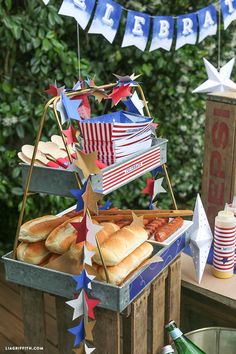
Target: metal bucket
pixel 214 340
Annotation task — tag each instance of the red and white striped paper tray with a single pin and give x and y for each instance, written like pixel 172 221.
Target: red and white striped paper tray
pixel 119 174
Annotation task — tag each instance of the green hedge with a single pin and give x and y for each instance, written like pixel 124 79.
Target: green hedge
pixel 38 47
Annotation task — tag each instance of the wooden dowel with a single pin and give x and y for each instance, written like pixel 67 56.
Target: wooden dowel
pixel 118 217
pixel 146 212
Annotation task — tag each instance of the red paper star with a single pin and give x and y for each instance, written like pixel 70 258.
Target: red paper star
pixel 91 303
pixel 70 134
pixel 54 91
pixel 120 92
pixel 81 228
pixel 149 187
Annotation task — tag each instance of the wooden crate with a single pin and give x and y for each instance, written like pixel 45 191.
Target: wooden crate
pixel 219 168
pixel 137 330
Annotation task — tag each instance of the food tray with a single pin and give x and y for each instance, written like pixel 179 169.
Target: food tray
pixel 59 182
pixel 112 297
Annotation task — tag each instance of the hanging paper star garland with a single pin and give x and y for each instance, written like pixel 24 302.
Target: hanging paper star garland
pixel 217 80
pixel 71 107
pixel 137 220
pixel 91 198
pixel 81 228
pixel 79 305
pixel 134 104
pixel 149 187
pixel 127 80
pixel 54 91
pixel 78 332
pixel 88 256
pixel 87 163
pixel 83 280
pixel 91 303
pixel 120 92
pixel 77 193
pixel 93 229
pixel 100 95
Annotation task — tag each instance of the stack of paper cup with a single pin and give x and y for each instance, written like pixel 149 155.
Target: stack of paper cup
pixel 224 244
pixel 116 136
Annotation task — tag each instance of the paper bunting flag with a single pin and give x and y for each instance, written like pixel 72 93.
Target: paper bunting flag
pixel 149 187
pixel 71 107
pixel 91 198
pixel 200 238
pixel 106 19
pixel 120 92
pixel 89 326
pixel 228 8
pixel 163 32
pixel 70 135
pixel 79 305
pixel 137 220
pixel 217 80
pixel 186 30
pixel 81 10
pixel 87 163
pixel 137 30
pixel 81 228
pixel 93 229
pixel 78 332
pixel 83 280
pixel 106 206
pixel 207 19
pixel 91 303
pixel 77 193
pixel 88 256
pixel 134 104
pixel 158 187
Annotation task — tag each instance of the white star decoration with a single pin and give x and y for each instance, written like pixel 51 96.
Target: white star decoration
pixel 88 256
pixel 158 187
pixel 79 305
pixel 93 229
pixel 200 238
pixel 88 350
pixel 217 80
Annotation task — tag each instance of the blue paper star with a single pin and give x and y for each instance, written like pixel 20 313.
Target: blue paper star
pixel 131 107
pixel 77 193
pixel 156 171
pixel 106 205
pixel 71 107
pixel 151 206
pixel 225 260
pixel 82 280
pixel 79 333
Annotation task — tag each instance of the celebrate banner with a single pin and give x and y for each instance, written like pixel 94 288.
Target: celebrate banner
pixel 191 28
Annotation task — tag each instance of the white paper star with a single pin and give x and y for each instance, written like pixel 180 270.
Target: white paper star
pixel 79 305
pixel 217 80
pixel 61 110
pixel 158 187
pixel 93 229
pixel 88 256
pixel 200 238
pixel 137 103
pixel 88 350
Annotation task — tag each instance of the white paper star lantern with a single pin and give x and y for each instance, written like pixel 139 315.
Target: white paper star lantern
pixel 200 238
pixel 218 81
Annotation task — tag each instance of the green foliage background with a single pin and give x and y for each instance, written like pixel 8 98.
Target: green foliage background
pixel 38 47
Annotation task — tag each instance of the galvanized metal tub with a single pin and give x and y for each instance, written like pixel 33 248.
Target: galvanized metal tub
pixel 214 340
pixel 112 297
